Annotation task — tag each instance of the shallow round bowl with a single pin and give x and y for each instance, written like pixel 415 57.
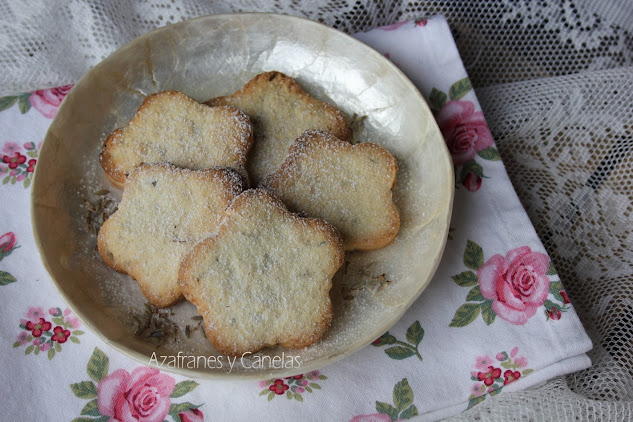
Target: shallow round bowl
pixel 213 56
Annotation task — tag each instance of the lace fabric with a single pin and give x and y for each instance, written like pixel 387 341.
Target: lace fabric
pixel 501 41
pixel 554 80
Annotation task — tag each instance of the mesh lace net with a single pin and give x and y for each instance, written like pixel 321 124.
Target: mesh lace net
pixel 555 81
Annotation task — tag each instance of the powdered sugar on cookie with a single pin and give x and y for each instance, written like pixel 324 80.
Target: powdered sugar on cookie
pixel 346 185
pixel 264 278
pixel 171 127
pixel 164 211
pixel 281 110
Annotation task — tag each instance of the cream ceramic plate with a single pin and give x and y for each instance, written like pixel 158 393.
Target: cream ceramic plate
pixel 212 56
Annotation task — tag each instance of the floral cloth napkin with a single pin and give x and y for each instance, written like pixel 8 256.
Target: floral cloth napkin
pixel 495 317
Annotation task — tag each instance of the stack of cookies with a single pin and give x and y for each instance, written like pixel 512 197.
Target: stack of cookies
pixel 245 205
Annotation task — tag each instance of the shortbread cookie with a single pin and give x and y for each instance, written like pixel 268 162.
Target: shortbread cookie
pixel 347 185
pixel 171 127
pixel 281 111
pixel 264 278
pixel 164 211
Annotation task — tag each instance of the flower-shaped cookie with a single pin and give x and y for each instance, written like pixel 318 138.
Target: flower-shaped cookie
pixel 264 278
pixel 164 211
pixel 171 127
pixel 281 111
pixel 347 185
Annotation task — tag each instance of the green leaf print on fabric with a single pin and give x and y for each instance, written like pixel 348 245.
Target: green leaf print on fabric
pixel 6 278
pixel 24 105
pixel 437 100
pixel 98 365
pixel 402 407
pixel 459 89
pixel 400 350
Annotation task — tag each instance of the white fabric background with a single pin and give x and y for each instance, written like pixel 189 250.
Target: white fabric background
pixel 554 80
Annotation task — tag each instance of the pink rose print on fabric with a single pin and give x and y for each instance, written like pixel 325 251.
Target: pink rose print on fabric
pixel 554 314
pixel 402 407
pixel 472 182
pixel 465 132
pixel 143 395
pixel 47 101
pixel 490 380
pixel 517 284
pixel 46 332
pixel 292 387
pixel 559 301
pixel 563 295
pixel 464 129
pixel 7 246
pixel 512 287
pixel 191 415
